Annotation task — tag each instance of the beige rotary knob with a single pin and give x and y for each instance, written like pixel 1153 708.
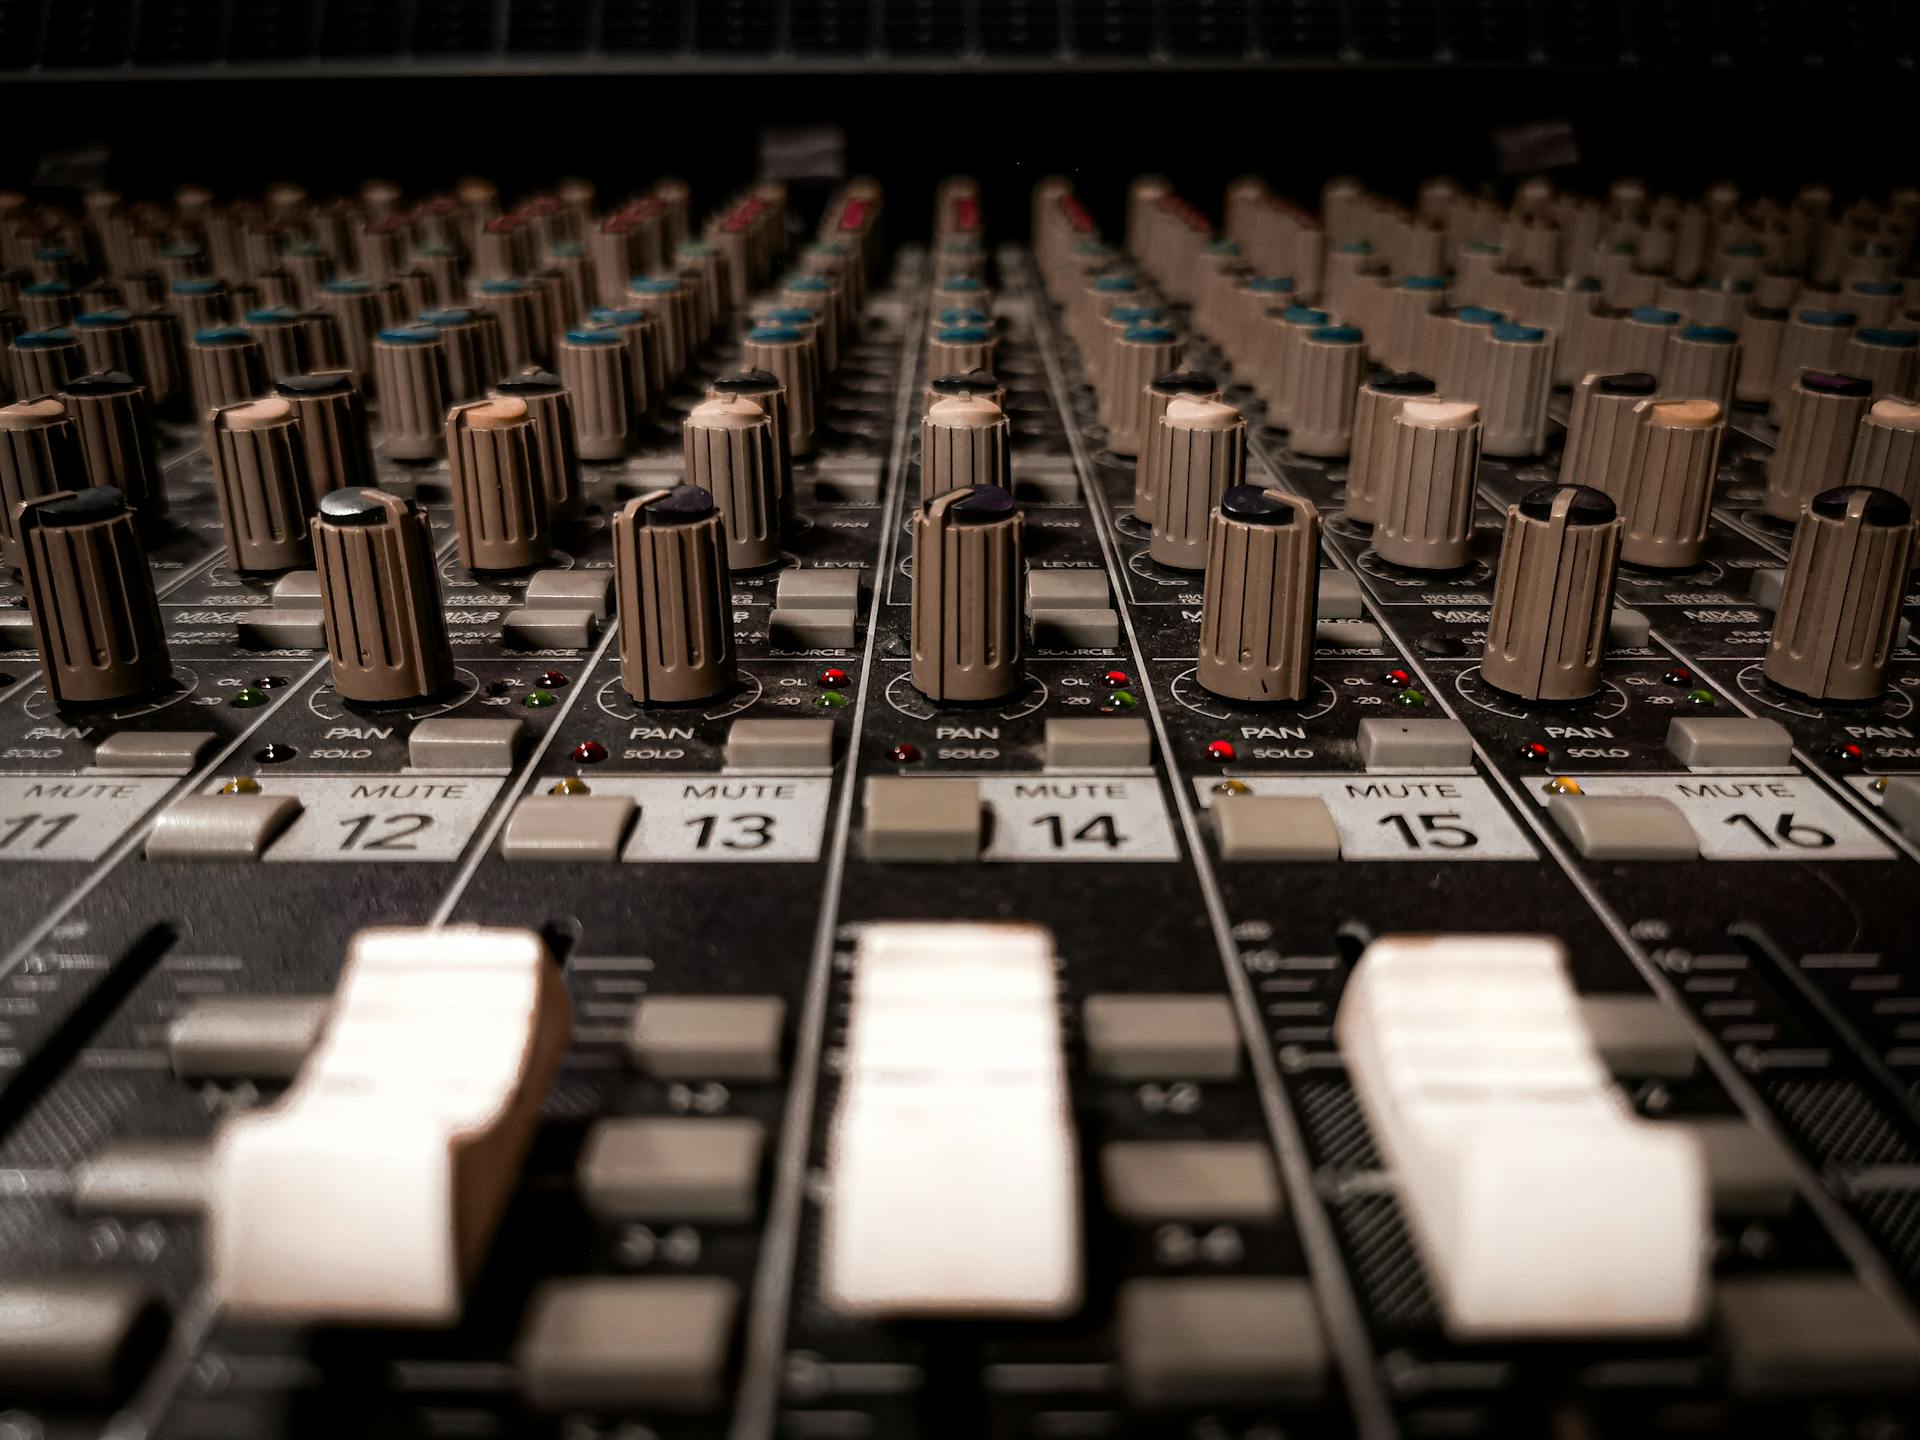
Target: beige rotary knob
pixel 39 455
pixel 1205 455
pixel 963 443
pixel 1889 358
pixel 518 311
pixel 954 348
pixel 1819 422
pixel 665 300
pixel 968 567
pixel 1139 354
pixel 154 348
pixel 593 367
pixel 968 385
pixel 201 304
pixel 1160 393
pixel 674 597
pixel 117 443
pixel 1840 602
pixel 556 460
pixel 763 387
pixel 380 598
pixel 727 446
pixel 646 360
pixel 1667 490
pixel 1886 452
pixel 106 342
pixel 1701 363
pixel 1600 428
pixel 224 367
pixel 1263 580
pixel 96 621
pixel 1813 340
pixel 1324 383
pixel 499 499
pixel 260 480
pixel 331 420
pixel 410 366
pixel 1553 594
pixel 1368 463
pixel 43 361
pixel 793 358
pixel 1424 519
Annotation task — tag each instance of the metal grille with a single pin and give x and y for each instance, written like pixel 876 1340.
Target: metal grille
pixel 195 36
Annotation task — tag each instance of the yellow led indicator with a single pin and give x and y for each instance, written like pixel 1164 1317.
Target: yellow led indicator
pixel 241 785
pixel 1562 785
pixel 572 785
pixel 1233 787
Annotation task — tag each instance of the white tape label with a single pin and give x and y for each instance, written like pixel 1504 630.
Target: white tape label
pixel 1754 817
pixel 71 817
pixel 1079 817
pixel 1403 817
pixel 382 818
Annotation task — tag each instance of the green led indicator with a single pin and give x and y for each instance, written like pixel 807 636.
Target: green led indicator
pixel 539 700
pixel 1410 699
pixel 829 700
pixel 248 696
pixel 1701 697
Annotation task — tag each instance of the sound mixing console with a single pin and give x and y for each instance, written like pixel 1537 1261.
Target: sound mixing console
pixel 620 822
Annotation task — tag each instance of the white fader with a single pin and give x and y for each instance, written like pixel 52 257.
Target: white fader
pixel 1542 1206
pixel 954 1186
pixel 371 1191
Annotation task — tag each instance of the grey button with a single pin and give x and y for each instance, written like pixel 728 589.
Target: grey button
pixel 780 744
pixel 1627 629
pixel 1068 590
pixel 1624 827
pixel 567 827
pixel 220 827
pixel 299 589
pixel 1901 802
pixel 245 1037
pixel 1152 1181
pixel 78 1337
pixel 1639 1037
pixel 142 1177
pixel 1056 486
pixel 1075 629
pixel 708 1037
pixel 915 818
pixel 672 1169
pixel 549 628
pixel 1237 1340
pixel 1747 1171
pixel 1340 597
pixel 167 752
pixel 1722 742
pixel 571 590
pixel 1808 1335
pixel 1415 745
pixel 1275 827
pixel 1348 634
pixel 620 1344
pixel 1161 1037
pixel 283 627
pixel 817 590
pixel 1765 586
pixel 449 743
pixel 1086 743
pixel 810 629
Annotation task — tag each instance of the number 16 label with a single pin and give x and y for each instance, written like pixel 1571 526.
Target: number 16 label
pixel 1755 817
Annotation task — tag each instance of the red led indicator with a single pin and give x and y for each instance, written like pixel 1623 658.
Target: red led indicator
pixel 1850 753
pixel 1117 677
pixel 1679 675
pixel 1536 751
pixel 589 752
pixel 553 679
pixel 1221 750
pixel 1399 679
pixel 833 678
pixel 905 754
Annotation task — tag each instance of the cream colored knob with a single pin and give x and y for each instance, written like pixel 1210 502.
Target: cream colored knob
pixel 593 367
pixel 118 446
pixel 499 496
pixel 1204 454
pixel 1668 486
pixel 764 389
pixel 224 367
pixel 1847 573
pixel 967 385
pixel 956 348
pixel 1139 354
pixel 728 450
pixel 1553 594
pixel 1762 330
pixel 963 443
pixel 1886 452
pixel 471 342
pixel 1376 404
pixel 674 596
pixel 1262 584
pixel 331 420
pixel 1161 392
pixel 39 455
pixel 1701 363
pixel 1819 423
pixel 260 481
pixel 1328 364
pixel 1813 340
pixel 968 569
pixel 96 620
pixel 1424 519
pixel 793 358
pixel 1890 359
pixel 1512 381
